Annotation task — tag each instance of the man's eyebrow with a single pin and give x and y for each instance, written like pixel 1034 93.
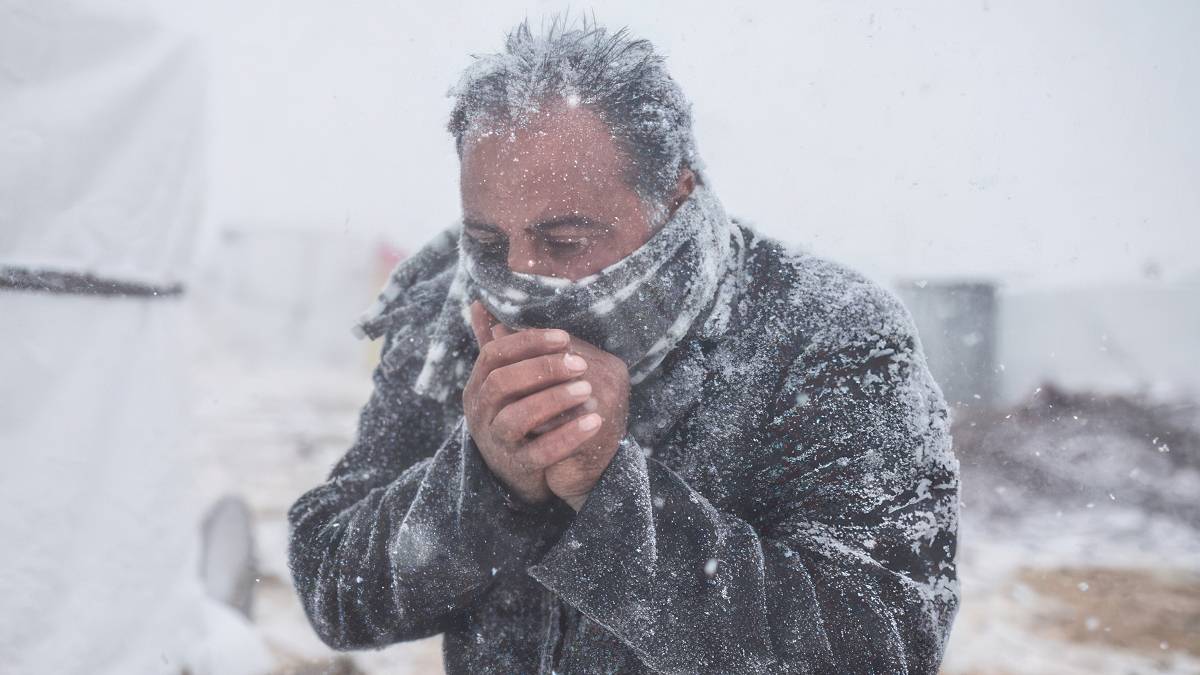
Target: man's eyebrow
pixel 559 221
pixel 467 222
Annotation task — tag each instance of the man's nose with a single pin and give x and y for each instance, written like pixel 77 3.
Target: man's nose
pixel 521 256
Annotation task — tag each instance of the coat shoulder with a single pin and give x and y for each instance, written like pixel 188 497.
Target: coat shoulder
pixel 817 301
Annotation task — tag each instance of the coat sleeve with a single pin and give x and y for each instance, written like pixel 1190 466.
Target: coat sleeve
pixel 409 531
pixel 847 565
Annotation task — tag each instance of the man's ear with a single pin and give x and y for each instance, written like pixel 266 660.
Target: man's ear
pixel 683 188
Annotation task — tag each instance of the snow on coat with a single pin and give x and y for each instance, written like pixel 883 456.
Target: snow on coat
pixel 788 504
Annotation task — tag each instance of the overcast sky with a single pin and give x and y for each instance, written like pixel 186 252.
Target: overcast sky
pixel 1040 143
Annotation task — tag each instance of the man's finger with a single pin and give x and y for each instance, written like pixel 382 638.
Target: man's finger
pixel 511 382
pixel 554 446
pixel 520 346
pixel 494 328
pixel 481 323
pixel 587 406
pixel 522 416
pixel 499 330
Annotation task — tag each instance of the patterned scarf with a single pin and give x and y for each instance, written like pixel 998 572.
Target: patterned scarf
pixel 638 308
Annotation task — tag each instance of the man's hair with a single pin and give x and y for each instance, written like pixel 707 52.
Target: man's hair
pixel 620 78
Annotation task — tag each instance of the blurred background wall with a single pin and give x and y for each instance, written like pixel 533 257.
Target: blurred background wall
pixel 1035 143
pixel 1047 149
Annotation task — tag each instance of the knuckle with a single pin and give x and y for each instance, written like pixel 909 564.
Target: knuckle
pixel 506 431
pixel 540 454
pixel 483 392
pixel 526 460
pixel 489 354
pixel 491 387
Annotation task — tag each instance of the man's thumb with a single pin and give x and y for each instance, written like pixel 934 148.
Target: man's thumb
pixel 481 323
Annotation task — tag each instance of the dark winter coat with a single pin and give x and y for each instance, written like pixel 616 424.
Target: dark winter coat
pixel 792 510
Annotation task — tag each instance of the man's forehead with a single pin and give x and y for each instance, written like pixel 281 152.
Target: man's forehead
pixel 531 207
pixel 563 144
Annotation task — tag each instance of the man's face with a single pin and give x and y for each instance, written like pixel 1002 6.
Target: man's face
pixel 553 195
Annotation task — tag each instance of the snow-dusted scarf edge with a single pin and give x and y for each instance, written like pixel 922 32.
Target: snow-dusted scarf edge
pixel 639 308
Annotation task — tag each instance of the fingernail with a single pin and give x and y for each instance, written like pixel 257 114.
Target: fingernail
pixel 556 337
pixel 580 388
pixel 590 404
pixel 589 422
pixel 574 363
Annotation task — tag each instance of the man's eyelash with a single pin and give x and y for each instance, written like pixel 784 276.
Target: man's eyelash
pixel 567 244
pixel 492 242
pixel 486 240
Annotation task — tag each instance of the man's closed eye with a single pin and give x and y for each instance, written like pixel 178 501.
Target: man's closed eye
pixel 567 246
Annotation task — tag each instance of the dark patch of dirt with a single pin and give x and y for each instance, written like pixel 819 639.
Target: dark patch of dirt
pixel 1146 611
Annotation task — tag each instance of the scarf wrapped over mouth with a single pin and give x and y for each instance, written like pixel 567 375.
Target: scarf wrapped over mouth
pixel 639 308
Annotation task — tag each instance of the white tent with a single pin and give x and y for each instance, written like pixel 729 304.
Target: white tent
pixel 101 121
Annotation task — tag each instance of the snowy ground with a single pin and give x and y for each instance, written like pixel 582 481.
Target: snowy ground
pixel 1096 586
pixel 268 435
pixel 1080 540
pixel 1117 592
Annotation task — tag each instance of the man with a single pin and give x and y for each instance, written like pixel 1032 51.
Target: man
pixel 615 431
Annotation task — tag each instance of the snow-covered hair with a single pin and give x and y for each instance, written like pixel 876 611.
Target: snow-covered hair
pixel 620 78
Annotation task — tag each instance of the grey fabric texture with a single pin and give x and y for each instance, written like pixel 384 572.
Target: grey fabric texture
pixel 638 308
pixel 785 500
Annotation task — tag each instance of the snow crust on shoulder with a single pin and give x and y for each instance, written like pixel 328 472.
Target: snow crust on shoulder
pixel 837 303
